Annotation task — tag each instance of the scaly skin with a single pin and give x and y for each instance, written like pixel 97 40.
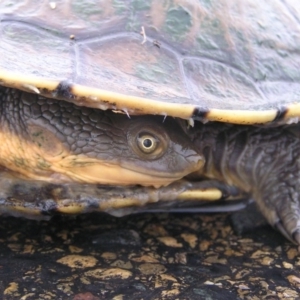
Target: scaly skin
pixel 56 141
pixel 262 161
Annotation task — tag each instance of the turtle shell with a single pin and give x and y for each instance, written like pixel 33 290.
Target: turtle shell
pixel 208 60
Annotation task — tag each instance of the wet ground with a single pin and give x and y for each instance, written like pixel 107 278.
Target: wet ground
pixel 147 256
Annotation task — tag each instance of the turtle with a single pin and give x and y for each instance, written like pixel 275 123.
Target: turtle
pixel 151 62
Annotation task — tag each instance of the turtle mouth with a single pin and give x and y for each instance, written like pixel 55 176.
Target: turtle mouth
pixel 157 178
pixel 96 172
pixel 116 175
pixel 99 172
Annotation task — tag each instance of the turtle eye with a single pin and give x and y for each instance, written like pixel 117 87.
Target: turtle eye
pixel 147 142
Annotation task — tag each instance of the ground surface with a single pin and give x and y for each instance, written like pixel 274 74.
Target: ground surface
pixel 148 256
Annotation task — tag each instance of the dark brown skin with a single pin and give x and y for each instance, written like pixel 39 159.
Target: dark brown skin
pixel 262 161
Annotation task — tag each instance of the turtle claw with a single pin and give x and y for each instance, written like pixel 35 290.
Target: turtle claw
pixel 296 236
pixel 283 231
pixel 288 224
pixel 283 213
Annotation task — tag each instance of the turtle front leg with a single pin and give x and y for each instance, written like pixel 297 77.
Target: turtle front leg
pixel 262 161
pixel 278 191
pixel 281 207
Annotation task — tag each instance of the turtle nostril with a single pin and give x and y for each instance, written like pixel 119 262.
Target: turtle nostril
pixel 198 162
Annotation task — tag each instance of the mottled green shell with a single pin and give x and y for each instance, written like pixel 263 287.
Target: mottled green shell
pixel 226 60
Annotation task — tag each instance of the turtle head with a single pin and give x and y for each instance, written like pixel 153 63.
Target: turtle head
pixel 58 141
pixel 159 151
pixel 144 150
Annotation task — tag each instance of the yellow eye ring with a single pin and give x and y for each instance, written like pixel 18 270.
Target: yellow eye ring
pixel 147 143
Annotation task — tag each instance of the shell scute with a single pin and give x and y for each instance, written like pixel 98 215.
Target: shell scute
pixel 218 56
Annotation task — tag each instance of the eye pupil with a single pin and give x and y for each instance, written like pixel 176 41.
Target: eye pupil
pixel 147 143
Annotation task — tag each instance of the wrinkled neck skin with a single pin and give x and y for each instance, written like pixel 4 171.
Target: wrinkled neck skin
pixel 262 161
pixel 246 156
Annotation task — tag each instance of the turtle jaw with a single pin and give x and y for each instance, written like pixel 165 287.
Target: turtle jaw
pixel 146 177
pixel 93 171
pixel 98 172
